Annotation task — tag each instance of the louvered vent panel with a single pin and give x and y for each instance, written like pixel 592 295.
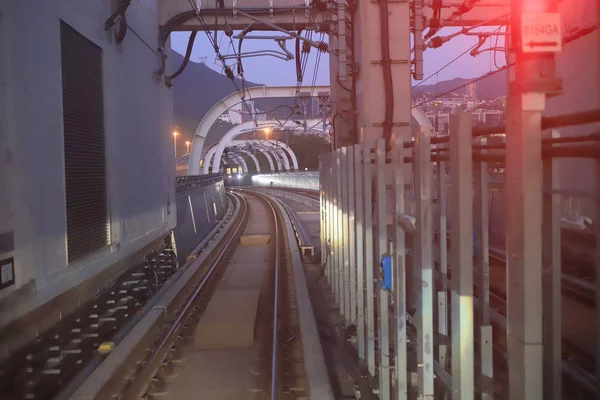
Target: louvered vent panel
pixel 85 165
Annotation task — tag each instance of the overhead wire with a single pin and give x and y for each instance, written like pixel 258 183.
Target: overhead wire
pixel 445 66
pixel 215 46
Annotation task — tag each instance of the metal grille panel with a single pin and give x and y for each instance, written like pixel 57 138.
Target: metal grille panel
pixel 85 169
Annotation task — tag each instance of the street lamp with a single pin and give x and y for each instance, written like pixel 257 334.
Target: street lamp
pixel 267 131
pixel 187 145
pixel 175 134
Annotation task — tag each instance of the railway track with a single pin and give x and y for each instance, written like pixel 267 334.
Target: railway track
pixel 61 358
pixel 159 358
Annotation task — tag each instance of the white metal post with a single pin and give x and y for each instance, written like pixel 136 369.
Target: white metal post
pixel 461 200
pixel 369 266
pixel 552 282
pixel 382 241
pixel 424 225
pixel 399 265
pixel 483 265
pixel 351 232
pixel 345 237
pixel 360 256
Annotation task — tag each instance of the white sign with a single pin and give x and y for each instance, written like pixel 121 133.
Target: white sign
pixel 540 33
pixel 6 273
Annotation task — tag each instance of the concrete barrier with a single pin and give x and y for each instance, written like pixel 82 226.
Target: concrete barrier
pixel 198 211
pixel 299 180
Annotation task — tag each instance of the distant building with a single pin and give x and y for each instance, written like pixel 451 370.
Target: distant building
pixel 472 90
pixel 315 110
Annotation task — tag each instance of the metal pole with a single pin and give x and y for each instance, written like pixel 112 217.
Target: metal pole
pixel 351 232
pixel 483 266
pixel 533 78
pixel 368 246
pixel 461 206
pixel 552 283
pixel 442 295
pixel 360 256
pixel 345 234
pixel 424 227
pixel 329 205
pixel 399 266
pixel 345 284
pixel 382 241
pixel 336 238
pixel 596 227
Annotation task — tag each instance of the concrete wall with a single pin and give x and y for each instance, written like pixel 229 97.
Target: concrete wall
pixel 300 180
pixel 139 152
pixel 198 211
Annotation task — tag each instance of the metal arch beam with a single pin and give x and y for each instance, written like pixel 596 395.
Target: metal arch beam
pixel 277 158
pixel 225 104
pixel 252 156
pixel 270 143
pixel 249 127
pixel 269 158
pixel 273 148
pixel 281 153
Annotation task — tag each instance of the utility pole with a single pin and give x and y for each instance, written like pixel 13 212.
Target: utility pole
pixel 535 37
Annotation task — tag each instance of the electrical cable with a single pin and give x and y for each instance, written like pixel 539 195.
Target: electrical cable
pixel 387 72
pixel 186 59
pixel 445 66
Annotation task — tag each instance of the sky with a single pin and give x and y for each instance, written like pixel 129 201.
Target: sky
pixel 269 70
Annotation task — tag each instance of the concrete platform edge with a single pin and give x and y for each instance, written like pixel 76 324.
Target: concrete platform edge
pixel 314 361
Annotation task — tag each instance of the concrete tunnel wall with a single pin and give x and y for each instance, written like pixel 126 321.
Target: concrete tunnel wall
pixel 198 212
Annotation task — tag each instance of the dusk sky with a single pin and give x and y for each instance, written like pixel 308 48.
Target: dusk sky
pixel 272 71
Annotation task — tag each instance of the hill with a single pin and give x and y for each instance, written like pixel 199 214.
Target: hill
pixel 488 88
pixel 195 92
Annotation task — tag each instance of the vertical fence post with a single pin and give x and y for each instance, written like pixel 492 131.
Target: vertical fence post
pixel 483 266
pixel 360 261
pixel 345 241
pixel 334 229
pixel 461 200
pixel 330 223
pixel 424 225
pixel 382 244
pixel 340 232
pixel 442 295
pixel 551 282
pixel 596 228
pixel 399 251
pixel 368 247
pixel 324 181
pixel 351 232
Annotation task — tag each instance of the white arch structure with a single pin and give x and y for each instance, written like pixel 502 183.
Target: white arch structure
pixel 257 92
pixel 208 157
pixel 252 156
pixel 249 127
pixel 225 104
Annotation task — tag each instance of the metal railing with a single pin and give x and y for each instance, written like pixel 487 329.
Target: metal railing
pixel 380 204
pixel 195 181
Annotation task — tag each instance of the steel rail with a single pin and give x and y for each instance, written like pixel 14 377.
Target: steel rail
pixel 139 385
pixel 275 348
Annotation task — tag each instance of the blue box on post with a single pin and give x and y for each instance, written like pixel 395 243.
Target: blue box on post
pixel 386 270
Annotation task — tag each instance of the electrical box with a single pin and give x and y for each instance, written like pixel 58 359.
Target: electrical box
pixel 386 272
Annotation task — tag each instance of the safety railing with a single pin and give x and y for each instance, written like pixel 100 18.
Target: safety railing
pixel 408 230
pixel 183 183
